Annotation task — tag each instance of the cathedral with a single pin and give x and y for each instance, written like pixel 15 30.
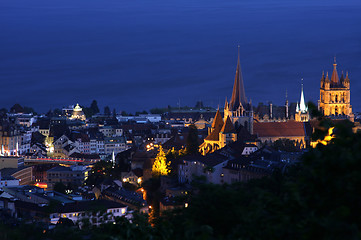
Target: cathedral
pixel 238 114
pixel 335 95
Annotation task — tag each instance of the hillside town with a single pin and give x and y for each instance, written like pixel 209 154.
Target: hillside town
pixel 67 164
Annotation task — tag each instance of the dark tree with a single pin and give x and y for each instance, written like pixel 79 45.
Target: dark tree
pixel 158 110
pixel 286 145
pixel 192 144
pixel 28 110
pixel 57 111
pixel 88 112
pixel 142 112
pixel 60 187
pixel 17 108
pixel 94 107
pixel 107 111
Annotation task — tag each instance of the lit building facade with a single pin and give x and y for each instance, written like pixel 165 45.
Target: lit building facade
pixel 78 113
pixel 335 95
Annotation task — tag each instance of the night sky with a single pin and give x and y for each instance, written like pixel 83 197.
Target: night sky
pixel 135 55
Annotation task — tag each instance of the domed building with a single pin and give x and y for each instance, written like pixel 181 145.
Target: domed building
pixel 78 113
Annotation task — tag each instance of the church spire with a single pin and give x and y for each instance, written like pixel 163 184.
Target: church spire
pixel 238 93
pixel 303 107
pixel 347 79
pixel 323 79
pixel 226 104
pixel 334 77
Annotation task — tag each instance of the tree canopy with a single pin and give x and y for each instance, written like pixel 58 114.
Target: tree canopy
pixel 160 165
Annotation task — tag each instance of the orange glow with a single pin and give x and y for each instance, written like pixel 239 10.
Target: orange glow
pixel 41 185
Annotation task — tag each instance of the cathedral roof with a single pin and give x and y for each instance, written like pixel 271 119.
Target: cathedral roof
pixel 217 120
pixel 228 126
pixel 279 129
pixel 238 93
pixel 216 127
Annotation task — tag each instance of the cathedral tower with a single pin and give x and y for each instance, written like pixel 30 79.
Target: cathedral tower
pixel 236 112
pixel 239 110
pixel 335 95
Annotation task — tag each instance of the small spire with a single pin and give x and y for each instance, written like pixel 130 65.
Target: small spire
pixel 238 94
pixel 238 51
pixel 327 78
pixel 303 107
pixel 334 78
pixel 347 79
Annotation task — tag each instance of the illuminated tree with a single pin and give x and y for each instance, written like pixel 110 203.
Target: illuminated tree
pixel 160 165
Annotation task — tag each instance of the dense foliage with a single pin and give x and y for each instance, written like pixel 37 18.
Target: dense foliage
pixel 160 165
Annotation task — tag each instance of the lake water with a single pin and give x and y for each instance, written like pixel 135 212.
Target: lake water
pixel 139 54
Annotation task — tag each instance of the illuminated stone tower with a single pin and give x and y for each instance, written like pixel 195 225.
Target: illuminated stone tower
pixel 335 95
pixel 239 110
pixel 236 113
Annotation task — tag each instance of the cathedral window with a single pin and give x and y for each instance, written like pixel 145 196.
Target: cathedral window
pixel 336 98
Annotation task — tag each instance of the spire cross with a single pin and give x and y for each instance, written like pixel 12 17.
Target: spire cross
pixel 334 62
pixel 238 55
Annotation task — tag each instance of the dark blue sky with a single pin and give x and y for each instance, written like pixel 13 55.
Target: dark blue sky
pixel 135 55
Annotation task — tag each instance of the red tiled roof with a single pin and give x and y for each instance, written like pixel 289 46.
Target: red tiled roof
pixel 279 129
